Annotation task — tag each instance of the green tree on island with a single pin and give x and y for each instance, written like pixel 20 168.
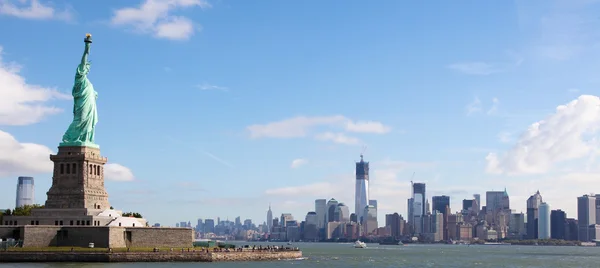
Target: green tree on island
pixel 132 214
pixel 25 210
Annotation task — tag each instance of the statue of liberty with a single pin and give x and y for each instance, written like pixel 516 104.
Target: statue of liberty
pixel 85 116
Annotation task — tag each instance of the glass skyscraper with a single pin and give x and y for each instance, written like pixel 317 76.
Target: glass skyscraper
pixel 25 192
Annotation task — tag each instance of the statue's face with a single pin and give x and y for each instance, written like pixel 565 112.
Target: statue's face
pixel 87 67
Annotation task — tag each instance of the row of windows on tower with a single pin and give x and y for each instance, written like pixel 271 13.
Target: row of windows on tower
pixel 72 169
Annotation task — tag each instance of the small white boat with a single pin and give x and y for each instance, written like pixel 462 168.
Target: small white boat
pixel 360 244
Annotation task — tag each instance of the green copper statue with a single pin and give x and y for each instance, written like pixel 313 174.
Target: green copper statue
pixel 85 116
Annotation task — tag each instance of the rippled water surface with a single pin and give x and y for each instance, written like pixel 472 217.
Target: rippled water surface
pixel 344 255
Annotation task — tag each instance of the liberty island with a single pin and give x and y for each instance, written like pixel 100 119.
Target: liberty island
pixel 77 222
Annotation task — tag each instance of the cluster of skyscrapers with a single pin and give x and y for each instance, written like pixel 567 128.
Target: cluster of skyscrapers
pixel 434 221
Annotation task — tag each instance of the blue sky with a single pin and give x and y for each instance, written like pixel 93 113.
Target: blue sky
pixel 218 108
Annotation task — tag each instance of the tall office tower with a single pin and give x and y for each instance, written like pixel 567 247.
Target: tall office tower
pixel 209 226
pixel 286 217
pixel 516 225
pixel 361 196
pixel 597 208
pixel 394 222
pixel 269 219
pixel 200 226
pixel 25 192
pixel 409 211
pixel 493 200
pixel 370 220
pixel 477 198
pixel 419 203
pixel 558 224
pixel 544 221
pixel 310 230
pixel 586 214
pixel 342 213
pixel 441 204
pixel 467 204
pixel 533 204
pixel 373 203
pixel 321 210
pixel 331 208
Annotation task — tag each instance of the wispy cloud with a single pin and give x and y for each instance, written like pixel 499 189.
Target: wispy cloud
pixel 296 163
pixel 216 158
pixel 206 86
pixel 303 126
pixel 33 9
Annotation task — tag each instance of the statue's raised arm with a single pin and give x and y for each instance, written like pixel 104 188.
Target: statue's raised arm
pixel 86 52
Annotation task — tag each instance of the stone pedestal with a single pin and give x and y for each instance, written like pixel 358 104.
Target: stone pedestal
pixel 78 179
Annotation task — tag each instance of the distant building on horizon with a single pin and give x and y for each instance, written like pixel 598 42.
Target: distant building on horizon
pixel 321 210
pixel 25 192
pixel 533 204
pixel 361 196
pixel 419 204
pixel 269 219
pixel 544 221
pixel 558 224
pixel 586 216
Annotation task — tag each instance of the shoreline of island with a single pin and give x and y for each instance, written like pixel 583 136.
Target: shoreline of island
pixel 181 255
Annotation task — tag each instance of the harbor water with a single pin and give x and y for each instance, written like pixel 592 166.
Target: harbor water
pixel 344 255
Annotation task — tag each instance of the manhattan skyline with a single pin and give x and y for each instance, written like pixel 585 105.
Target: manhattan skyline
pixel 238 104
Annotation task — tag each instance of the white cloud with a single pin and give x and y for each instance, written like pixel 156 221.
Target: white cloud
pixel 474 68
pixel 340 138
pixel 22 103
pixel 206 86
pixel 570 133
pixel 296 163
pixel 367 127
pixel 155 17
pixel 18 159
pixel 302 126
pixel 32 9
pixel 116 172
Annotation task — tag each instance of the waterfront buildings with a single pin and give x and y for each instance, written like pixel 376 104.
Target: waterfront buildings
pixel 25 192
